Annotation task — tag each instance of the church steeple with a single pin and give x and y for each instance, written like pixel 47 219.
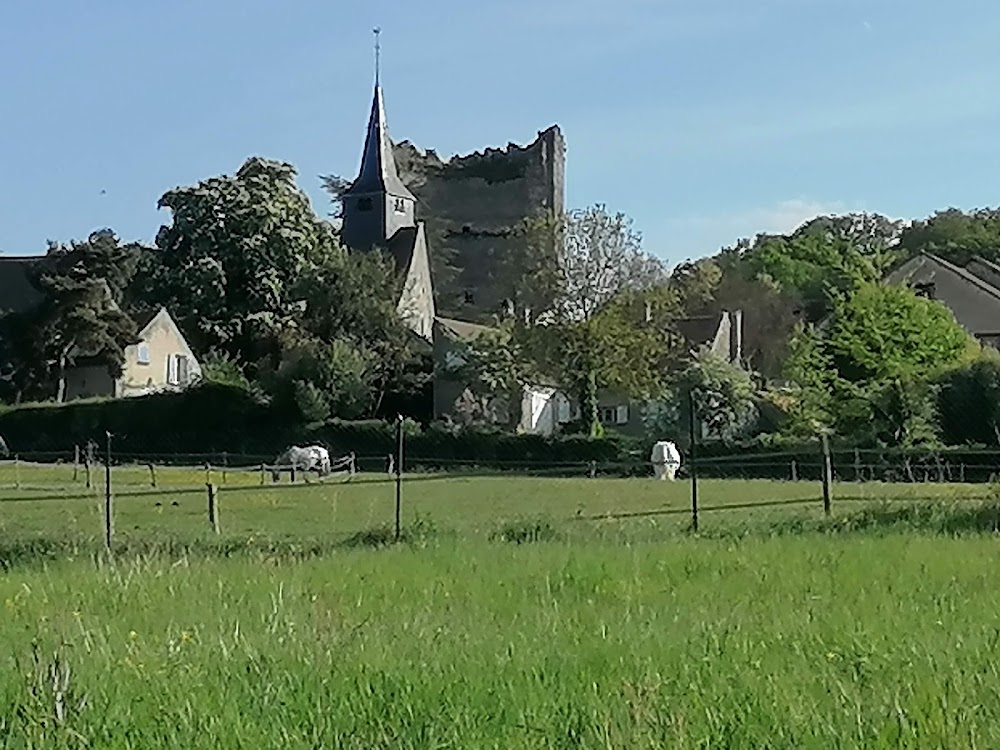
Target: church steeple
pixel 377 204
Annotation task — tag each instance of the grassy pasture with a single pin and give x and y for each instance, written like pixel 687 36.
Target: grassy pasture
pixel 625 633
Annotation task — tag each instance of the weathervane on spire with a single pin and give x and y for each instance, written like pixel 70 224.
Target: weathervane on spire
pixel 378 48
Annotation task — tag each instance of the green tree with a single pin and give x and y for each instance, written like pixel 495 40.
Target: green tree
pixel 955 235
pixel 350 298
pixel 969 401
pixel 232 255
pixel 498 364
pixel 724 397
pixel 870 373
pixel 573 271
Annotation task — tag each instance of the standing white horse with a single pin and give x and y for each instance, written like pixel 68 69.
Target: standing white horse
pixel 4 450
pixel 310 458
pixel 666 460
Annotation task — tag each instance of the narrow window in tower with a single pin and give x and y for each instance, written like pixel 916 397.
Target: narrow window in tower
pixel 400 206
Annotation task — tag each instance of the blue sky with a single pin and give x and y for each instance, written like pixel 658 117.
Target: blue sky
pixel 704 120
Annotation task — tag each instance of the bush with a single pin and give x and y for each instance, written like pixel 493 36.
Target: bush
pixel 216 418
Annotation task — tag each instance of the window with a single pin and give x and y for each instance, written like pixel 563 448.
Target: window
pixel 143 355
pixel 614 414
pixel 171 369
pixel 399 206
pixel 182 369
pixel 364 204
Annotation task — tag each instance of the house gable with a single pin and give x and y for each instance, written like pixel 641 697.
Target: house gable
pixel 161 359
pixel 973 301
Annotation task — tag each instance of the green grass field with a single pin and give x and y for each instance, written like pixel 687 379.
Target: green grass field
pixel 774 628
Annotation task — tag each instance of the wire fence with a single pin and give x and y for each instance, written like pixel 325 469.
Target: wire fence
pixel 704 485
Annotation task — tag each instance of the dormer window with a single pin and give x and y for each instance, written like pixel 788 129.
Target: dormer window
pixel 364 204
pixel 399 206
pixel 143 354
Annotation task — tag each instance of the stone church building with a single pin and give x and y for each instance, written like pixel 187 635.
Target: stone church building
pixel 448 224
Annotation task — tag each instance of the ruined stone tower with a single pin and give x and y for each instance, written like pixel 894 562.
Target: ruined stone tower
pixel 471 205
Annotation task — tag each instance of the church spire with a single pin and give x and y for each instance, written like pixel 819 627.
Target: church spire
pixel 377 204
pixel 378 165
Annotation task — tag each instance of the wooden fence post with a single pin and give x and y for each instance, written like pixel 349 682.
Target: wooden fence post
pixel 152 474
pixel 694 462
pixel 76 463
pixel 86 467
pixel 225 465
pixel 262 475
pixel 593 469
pixel 17 472
pixel 399 475
pixel 795 470
pixel 827 473
pixel 108 515
pixel 208 473
pixel 857 465
pixel 213 508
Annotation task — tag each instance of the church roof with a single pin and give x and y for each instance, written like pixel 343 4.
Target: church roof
pixel 378 165
pixel 699 330
pixel 17 292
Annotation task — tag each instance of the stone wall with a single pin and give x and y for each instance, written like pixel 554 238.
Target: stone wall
pixel 471 204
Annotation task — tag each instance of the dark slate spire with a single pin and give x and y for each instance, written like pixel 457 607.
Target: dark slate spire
pixel 378 165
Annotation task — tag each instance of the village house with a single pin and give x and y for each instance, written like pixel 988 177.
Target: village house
pixel 161 360
pixel 972 293
pixel 544 409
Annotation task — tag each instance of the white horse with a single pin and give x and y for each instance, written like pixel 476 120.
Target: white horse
pixel 666 460
pixel 310 458
pixel 4 450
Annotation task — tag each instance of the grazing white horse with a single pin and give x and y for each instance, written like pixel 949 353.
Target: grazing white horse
pixel 310 458
pixel 4 450
pixel 666 460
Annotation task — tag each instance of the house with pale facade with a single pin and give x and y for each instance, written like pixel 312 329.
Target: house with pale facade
pixel 161 360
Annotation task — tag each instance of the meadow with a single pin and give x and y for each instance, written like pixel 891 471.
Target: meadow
pixel 509 617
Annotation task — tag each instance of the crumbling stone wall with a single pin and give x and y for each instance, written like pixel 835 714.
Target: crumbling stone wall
pixel 470 205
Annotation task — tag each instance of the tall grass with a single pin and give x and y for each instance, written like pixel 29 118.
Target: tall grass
pixel 811 642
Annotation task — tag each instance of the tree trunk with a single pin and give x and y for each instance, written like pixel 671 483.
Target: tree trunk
pixel 61 391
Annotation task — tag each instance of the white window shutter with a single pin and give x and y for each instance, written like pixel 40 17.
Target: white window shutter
pixel 171 369
pixel 622 416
